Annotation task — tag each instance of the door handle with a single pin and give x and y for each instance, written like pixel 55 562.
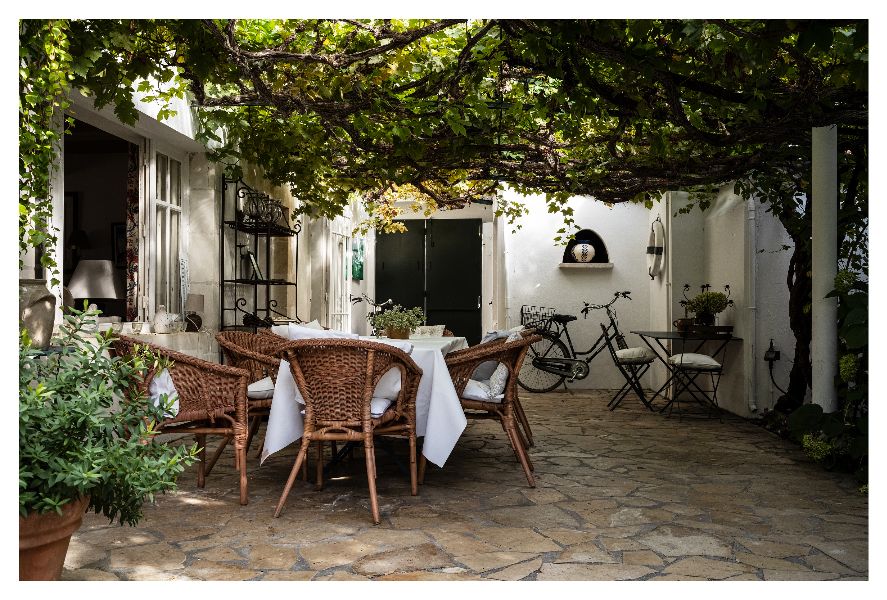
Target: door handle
pixel 478 301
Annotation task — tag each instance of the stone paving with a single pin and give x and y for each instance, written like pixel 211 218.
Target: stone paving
pixel 624 495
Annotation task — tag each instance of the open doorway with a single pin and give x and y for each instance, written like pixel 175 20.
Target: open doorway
pixel 98 184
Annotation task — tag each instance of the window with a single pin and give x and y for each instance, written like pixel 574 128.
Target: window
pixel 340 276
pixel 168 225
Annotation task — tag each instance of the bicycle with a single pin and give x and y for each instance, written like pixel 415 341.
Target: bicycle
pixel 550 362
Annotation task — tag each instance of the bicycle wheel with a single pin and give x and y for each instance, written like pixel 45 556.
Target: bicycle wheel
pixel 533 379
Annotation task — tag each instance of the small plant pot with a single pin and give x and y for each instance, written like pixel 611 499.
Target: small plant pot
pixel 397 333
pixel 43 541
pixel 706 319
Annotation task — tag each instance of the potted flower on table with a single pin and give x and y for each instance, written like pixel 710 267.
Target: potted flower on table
pixel 706 304
pixel 397 321
pixel 81 445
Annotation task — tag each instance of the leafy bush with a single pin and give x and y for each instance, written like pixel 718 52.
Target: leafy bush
pixel 79 436
pixel 708 302
pixel 397 317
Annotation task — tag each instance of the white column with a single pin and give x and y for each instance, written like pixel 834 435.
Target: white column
pixel 824 344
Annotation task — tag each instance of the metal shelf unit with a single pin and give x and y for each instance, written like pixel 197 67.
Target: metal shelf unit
pixel 245 301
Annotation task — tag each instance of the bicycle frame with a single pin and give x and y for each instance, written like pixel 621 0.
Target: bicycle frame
pixel 560 366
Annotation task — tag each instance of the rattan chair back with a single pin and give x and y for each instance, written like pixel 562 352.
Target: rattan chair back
pixel 336 378
pixel 255 352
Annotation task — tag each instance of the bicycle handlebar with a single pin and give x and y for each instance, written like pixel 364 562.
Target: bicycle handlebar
pixel 616 295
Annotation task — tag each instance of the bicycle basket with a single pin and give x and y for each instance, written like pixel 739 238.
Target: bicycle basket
pixel 535 316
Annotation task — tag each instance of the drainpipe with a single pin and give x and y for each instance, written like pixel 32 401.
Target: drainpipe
pixel 751 274
pixel 824 345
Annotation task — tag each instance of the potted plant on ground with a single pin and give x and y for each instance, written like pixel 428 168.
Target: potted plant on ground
pixel 397 321
pixel 706 304
pixel 81 445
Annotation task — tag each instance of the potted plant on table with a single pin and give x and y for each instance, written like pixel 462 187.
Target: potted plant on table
pixel 397 321
pixel 706 304
pixel 81 445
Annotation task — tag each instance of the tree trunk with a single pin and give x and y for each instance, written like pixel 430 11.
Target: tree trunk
pixel 800 321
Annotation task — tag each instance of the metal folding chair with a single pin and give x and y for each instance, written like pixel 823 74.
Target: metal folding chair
pixel 631 362
pixel 687 367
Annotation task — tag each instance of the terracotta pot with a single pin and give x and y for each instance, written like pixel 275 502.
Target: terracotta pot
pixel 43 541
pixel 397 334
pixel 36 305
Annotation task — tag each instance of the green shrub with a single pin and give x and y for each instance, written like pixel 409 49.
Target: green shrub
pixel 397 317
pixel 79 435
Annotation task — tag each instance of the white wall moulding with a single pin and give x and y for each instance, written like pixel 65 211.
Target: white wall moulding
pixel 588 265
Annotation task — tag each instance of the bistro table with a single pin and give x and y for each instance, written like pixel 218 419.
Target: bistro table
pixel 439 415
pixel 700 337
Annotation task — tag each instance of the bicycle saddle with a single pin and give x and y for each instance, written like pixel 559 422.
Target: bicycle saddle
pixel 563 319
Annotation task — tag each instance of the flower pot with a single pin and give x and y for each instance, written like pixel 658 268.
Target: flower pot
pixel 36 305
pixel 397 333
pixel 707 319
pixel 43 541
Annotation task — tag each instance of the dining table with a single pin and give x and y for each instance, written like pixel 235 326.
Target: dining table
pixel 440 419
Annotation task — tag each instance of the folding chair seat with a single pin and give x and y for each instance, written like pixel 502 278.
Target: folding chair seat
pixel 631 362
pixel 687 368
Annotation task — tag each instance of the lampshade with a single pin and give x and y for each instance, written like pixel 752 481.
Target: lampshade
pixel 194 303
pixel 95 279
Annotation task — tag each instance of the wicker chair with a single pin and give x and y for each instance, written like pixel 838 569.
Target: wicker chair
pixel 212 400
pixel 336 378
pixel 258 354
pixel 462 364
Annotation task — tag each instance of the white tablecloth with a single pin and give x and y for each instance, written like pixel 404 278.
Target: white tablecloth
pixel 439 416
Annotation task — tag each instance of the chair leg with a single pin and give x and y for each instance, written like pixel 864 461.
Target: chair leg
pixel 414 484
pixel 215 457
pixel 519 450
pixel 244 490
pixel 318 481
pixel 201 457
pixel 300 460
pixel 522 417
pixel 371 478
pixel 302 442
pixel 253 428
pixel 423 463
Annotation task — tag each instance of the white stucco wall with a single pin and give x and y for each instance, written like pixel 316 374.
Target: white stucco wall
pixel 772 306
pixel 533 276
pixel 728 256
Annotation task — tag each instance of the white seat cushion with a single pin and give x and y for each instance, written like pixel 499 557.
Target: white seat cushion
pixel 635 356
pixel 429 331
pixel 480 391
pixel 691 360
pixel 162 385
pixel 262 389
pixel 389 385
pixel 378 406
pixel 315 324
pixel 301 332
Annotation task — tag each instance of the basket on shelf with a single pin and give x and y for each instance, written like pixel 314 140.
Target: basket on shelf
pixel 535 316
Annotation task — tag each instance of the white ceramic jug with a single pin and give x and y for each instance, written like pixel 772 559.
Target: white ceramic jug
pixel 162 320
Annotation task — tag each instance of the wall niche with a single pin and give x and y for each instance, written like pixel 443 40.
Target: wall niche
pixel 601 259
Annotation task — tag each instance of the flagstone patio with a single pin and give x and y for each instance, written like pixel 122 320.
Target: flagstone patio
pixel 620 495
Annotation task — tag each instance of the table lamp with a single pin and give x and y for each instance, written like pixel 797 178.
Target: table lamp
pixel 95 280
pixel 193 305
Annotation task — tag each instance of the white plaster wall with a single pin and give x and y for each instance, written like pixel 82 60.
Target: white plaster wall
pixel 533 275
pixel 727 257
pixel 772 306
pixel 203 236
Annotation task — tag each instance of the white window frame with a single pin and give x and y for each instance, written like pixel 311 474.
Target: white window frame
pixel 339 253
pixel 149 218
